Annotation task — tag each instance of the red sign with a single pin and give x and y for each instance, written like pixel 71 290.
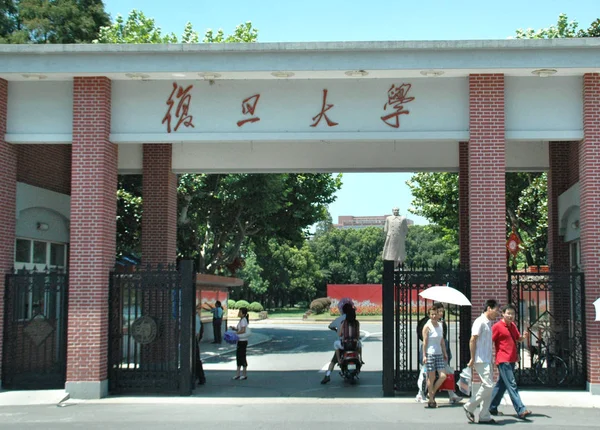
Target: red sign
pixel 181 114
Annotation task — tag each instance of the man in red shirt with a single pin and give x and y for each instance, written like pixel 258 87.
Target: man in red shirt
pixel 505 336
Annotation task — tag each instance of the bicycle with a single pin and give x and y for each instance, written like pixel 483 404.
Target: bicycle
pixel 548 367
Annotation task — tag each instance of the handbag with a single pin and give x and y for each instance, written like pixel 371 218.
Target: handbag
pixel 448 384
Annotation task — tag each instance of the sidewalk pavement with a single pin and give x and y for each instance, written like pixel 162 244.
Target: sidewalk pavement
pixel 563 399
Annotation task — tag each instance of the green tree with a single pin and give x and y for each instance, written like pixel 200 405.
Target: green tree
pixel 349 256
pixel 562 29
pixel 435 197
pixel 51 21
pixel 138 28
pixel 219 213
pixel 428 245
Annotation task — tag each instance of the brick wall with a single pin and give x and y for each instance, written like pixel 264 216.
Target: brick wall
pixel 558 183
pixel 159 193
pixel 93 229
pixel 463 204
pixel 573 163
pixel 8 201
pixel 45 166
pixel 589 175
pixel 487 204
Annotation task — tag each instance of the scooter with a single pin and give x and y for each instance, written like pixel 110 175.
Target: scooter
pixel 350 365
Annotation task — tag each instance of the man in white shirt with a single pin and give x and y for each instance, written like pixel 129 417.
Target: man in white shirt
pixel 481 348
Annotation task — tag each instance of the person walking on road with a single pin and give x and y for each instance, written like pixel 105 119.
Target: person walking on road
pixel 217 321
pixel 505 336
pixel 480 346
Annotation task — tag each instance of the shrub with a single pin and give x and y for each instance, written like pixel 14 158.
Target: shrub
pixel 255 307
pixel 318 306
pixel 231 304
pixel 241 304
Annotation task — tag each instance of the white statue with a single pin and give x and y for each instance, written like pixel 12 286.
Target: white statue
pixel 395 230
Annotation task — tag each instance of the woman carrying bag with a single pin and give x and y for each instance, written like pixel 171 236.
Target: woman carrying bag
pixel 243 334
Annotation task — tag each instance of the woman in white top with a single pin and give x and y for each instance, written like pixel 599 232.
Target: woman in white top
pixel 434 355
pixel 242 344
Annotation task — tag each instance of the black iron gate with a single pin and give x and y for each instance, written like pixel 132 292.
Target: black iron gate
pixel 35 329
pixel 150 330
pixel 551 307
pixel 410 308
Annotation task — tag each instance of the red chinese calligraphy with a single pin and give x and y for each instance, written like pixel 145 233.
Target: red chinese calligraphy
pixel 317 118
pixel 248 107
pixel 181 113
pixel 397 97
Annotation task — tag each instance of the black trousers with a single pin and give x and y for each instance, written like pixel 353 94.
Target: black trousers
pixel 217 324
pixel 240 353
pixel 200 377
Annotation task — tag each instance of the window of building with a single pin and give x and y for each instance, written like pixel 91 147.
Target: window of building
pixel 40 255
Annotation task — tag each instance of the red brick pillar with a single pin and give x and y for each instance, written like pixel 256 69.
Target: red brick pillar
pixel 8 205
pixel 463 204
pixel 159 193
pixel 93 237
pixel 558 183
pixel 589 183
pixel 487 203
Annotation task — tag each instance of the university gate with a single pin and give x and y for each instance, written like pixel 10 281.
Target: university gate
pixel 35 330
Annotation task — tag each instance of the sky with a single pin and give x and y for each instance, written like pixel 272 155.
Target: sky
pixel 370 20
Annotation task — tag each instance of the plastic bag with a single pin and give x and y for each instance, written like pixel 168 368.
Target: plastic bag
pixel 465 381
pixel 230 337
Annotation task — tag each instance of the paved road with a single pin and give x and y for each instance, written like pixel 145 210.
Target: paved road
pixel 275 414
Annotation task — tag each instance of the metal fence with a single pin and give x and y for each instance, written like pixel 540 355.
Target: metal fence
pixel 410 308
pixel 150 330
pixel 550 306
pixel 35 330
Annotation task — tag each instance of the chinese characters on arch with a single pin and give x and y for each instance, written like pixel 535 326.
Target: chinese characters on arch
pixel 397 97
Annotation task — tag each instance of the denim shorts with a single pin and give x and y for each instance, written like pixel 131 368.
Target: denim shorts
pixel 435 362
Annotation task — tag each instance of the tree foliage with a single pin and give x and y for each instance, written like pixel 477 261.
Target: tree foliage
pixel 218 213
pixel 51 21
pixel 562 29
pixel 278 274
pixel 429 245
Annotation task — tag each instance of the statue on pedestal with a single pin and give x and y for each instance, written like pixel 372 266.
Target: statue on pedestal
pixel 395 229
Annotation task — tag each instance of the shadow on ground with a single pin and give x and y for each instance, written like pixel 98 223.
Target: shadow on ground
pixel 288 384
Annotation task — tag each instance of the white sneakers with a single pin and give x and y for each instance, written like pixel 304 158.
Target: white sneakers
pixel 420 398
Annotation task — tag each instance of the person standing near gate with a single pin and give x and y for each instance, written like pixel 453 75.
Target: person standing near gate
pixel 505 336
pixel 480 346
pixel 217 321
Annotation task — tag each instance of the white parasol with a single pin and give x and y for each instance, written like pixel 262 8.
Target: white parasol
pixel 445 294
